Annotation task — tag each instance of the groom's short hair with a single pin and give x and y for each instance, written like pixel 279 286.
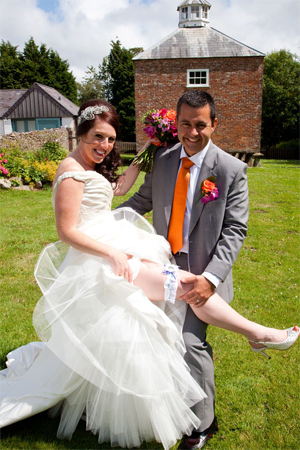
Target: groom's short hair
pixel 198 99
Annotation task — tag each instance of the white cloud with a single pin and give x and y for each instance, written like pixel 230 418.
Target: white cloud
pixel 81 30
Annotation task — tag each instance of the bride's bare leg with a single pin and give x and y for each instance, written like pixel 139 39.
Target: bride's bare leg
pixel 218 313
pixel 214 312
pixel 151 279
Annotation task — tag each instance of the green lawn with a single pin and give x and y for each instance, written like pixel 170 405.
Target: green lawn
pixel 257 400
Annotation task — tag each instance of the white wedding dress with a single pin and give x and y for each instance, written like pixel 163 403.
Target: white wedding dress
pixel 108 354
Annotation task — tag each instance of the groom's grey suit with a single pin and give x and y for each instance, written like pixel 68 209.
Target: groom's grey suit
pixel 216 234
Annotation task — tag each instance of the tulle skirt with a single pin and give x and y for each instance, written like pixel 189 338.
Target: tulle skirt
pixel 109 354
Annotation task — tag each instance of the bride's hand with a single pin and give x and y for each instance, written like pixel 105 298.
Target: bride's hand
pixel 119 263
pixel 148 143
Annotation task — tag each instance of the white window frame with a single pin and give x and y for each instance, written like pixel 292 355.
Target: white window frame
pixel 195 12
pixel 189 84
pixel 184 13
pixel 204 12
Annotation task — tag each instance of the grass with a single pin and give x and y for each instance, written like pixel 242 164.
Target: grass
pixel 127 158
pixel 257 400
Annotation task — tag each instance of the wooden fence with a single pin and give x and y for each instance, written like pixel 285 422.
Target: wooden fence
pixel 126 147
pixel 281 153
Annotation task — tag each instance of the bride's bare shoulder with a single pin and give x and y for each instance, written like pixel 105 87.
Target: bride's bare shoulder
pixel 69 164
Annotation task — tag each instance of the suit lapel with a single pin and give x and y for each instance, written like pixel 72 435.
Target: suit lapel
pixel 207 170
pixel 170 177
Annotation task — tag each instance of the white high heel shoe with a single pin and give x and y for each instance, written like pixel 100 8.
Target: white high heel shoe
pixel 292 336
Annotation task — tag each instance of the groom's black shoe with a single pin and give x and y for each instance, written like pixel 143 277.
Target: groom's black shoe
pixel 198 440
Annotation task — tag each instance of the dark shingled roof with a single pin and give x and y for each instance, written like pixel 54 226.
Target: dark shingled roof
pixel 61 99
pixel 8 97
pixel 198 42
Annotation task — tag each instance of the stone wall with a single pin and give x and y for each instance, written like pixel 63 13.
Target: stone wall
pixel 235 84
pixel 33 140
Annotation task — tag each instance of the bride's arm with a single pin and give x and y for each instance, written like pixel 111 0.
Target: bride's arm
pixel 127 179
pixel 67 207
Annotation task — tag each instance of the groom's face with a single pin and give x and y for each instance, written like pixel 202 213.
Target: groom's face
pixel 194 128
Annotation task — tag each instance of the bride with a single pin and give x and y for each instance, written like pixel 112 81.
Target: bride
pixel 111 315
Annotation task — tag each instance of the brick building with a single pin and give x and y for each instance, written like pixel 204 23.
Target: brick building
pixel 196 56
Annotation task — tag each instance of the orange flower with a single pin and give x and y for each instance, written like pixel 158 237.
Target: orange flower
pixel 171 114
pixel 208 186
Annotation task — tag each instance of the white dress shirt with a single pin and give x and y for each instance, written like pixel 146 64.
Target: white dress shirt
pixel 194 174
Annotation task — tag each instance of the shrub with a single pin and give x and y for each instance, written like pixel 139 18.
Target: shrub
pixel 4 172
pixel 294 144
pixel 40 165
pixel 51 151
pixel 31 173
pixel 48 168
pixel 14 166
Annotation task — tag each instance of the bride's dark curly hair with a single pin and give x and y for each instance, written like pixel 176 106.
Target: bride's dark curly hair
pixel 112 161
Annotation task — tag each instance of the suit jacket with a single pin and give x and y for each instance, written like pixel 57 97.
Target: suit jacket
pixel 217 228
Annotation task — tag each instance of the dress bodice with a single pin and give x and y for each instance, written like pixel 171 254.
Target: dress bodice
pixel 97 192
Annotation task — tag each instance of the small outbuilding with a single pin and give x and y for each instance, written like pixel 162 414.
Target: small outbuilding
pixel 197 56
pixel 37 108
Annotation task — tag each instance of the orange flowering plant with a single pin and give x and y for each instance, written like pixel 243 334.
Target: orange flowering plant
pixel 209 191
pixel 160 124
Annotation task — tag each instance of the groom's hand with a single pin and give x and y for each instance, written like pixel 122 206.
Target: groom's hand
pixel 202 290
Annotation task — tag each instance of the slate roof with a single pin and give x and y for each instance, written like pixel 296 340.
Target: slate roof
pixel 8 97
pixel 198 42
pixel 26 104
pixel 61 99
pixel 193 2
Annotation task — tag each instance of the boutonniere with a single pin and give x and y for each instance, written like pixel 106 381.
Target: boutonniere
pixel 209 191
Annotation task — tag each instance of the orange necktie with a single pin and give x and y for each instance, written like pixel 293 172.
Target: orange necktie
pixel 175 236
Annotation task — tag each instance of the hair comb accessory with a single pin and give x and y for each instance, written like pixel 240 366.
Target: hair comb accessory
pixel 89 113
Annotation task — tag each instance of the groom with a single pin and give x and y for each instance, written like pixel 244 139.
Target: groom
pixel 209 239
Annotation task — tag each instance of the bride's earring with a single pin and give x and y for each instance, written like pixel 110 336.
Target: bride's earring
pixel 171 284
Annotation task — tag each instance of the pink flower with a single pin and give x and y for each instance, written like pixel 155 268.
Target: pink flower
pixel 174 130
pixel 164 125
pixel 213 195
pixel 5 171
pixel 209 191
pixel 150 131
pixel 1 168
pixel 1 155
pixel 5 160
pixel 163 112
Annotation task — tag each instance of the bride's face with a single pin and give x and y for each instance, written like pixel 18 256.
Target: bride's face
pixel 98 142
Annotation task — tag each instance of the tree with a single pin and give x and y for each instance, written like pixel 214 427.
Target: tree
pixel 117 75
pixel 281 98
pixel 19 70
pixel 11 67
pixel 91 86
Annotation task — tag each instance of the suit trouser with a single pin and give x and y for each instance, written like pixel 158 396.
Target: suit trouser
pixel 199 359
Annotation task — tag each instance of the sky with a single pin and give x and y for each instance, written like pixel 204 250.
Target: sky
pixel 81 30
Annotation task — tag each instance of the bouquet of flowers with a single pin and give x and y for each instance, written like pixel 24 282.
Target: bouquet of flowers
pixel 160 124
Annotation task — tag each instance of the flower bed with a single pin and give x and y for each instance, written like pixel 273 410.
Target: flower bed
pixel 38 166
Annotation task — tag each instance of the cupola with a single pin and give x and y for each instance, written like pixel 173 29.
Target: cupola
pixel 194 13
